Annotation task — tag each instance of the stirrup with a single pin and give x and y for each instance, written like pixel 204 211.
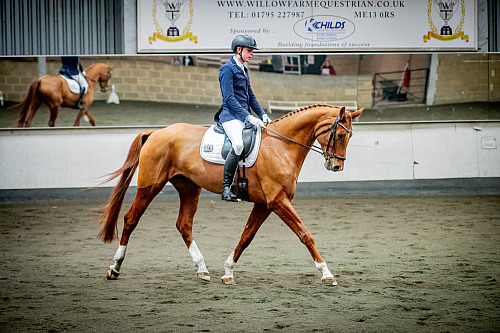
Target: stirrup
pixel 228 195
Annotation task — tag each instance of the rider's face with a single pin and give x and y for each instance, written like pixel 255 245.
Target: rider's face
pixel 246 53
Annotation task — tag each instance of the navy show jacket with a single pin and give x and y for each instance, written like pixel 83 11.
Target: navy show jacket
pixel 237 94
pixel 70 66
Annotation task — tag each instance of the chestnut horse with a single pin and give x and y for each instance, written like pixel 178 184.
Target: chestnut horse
pixel 54 92
pixel 173 155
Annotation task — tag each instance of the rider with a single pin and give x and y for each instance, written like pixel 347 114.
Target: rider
pixel 72 68
pixel 237 97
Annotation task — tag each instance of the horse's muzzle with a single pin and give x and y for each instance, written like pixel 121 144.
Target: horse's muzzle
pixel 104 87
pixel 331 166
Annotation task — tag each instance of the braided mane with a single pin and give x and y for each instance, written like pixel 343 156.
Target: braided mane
pixel 305 108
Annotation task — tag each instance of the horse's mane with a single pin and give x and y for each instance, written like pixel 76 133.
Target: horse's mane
pixel 305 108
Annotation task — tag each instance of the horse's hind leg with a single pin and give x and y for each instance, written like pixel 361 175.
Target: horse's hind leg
pixel 54 111
pixel 189 194
pixel 259 214
pixel 142 200
pixel 34 105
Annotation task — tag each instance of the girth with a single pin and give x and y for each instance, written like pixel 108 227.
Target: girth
pixel 249 135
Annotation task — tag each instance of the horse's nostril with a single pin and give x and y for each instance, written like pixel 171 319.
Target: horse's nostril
pixel 337 168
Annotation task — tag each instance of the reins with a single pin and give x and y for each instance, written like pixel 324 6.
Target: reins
pixel 313 147
pixel 333 128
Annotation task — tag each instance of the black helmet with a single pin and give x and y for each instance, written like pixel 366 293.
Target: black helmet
pixel 243 40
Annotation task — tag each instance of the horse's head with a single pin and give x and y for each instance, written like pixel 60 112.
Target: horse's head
pixel 104 77
pixel 334 137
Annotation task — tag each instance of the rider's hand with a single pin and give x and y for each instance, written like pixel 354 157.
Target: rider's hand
pixel 266 119
pixel 255 121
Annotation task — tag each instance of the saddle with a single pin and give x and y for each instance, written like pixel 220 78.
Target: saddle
pixel 249 137
pixel 215 147
pixel 79 87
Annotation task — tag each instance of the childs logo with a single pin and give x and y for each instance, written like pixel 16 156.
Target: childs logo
pixel 324 28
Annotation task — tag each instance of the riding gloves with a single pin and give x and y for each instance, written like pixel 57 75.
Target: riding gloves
pixel 255 121
pixel 266 119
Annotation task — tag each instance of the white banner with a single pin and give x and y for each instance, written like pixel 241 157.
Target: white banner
pixel 177 26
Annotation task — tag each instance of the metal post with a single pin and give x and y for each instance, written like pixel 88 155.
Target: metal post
pixel 431 87
pixel 42 66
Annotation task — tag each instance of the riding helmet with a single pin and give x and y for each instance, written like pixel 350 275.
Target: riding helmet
pixel 243 40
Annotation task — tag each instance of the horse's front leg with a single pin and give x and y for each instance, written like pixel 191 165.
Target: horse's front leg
pixel 284 209
pixel 91 120
pixel 80 114
pixel 258 215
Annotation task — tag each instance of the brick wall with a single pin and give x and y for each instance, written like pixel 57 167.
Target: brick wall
pixel 154 79
pixel 467 78
pixel 460 78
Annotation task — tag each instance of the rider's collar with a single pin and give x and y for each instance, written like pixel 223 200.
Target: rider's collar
pixel 240 65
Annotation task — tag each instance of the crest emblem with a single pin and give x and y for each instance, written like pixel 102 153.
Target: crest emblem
pixel 446 10
pixel 172 10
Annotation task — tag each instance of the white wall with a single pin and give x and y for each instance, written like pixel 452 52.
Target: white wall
pixel 78 157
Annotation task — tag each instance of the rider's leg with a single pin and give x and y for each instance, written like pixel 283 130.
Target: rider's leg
pixel 233 129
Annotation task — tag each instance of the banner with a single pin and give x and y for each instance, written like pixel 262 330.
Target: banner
pixel 180 26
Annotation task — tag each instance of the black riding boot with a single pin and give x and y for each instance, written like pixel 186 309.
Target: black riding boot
pixel 229 171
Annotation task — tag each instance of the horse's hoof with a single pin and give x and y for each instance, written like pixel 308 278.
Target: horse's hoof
pixel 228 280
pixel 329 281
pixel 204 276
pixel 112 275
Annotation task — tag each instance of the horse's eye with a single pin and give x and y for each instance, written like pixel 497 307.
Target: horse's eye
pixel 341 135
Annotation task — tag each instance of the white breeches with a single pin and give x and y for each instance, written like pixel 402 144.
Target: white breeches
pixel 234 130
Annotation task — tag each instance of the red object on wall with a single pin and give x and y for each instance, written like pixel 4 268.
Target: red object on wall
pixel 406 79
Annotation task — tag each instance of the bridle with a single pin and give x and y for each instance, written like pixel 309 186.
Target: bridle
pixel 104 84
pixel 331 141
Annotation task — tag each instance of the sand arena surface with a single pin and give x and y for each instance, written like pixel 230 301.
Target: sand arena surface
pixel 403 264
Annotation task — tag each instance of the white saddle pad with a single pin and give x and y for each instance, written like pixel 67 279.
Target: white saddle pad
pixel 73 84
pixel 211 147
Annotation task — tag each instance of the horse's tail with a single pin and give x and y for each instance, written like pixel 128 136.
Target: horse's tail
pixel 112 208
pixel 25 104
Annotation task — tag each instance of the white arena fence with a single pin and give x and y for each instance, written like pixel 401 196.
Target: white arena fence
pixel 46 158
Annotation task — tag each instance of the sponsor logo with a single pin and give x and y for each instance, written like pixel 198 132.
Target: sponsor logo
pixel 173 10
pixel 324 28
pixel 446 11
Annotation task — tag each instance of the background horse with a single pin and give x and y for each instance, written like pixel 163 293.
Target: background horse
pixel 54 92
pixel 173 155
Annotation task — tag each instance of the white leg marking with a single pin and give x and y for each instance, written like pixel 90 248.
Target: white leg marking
pixel 119 256
pixel 321 266
pixel 228 266
pixel 198 259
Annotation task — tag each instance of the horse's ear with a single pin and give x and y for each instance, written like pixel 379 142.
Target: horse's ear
pixel 357 113
pixel 342 114
pixel 111 67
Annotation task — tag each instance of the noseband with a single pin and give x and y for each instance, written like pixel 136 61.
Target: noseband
pixel 331 140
